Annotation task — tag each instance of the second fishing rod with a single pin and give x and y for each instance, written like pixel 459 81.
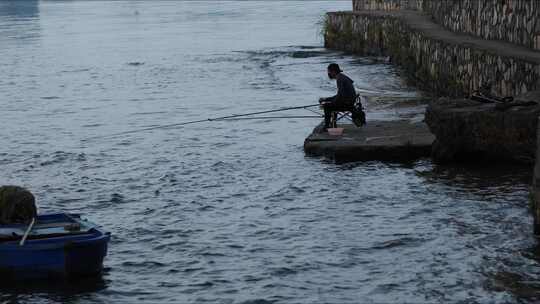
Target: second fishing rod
pixel 222 118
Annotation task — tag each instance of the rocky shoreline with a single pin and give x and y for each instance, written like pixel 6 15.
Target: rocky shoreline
pixel 469 130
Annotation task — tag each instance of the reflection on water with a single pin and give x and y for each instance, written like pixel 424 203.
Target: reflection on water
pixel 19 21
pixel 523 287
pixel 19 9
pixel 479 178
pixel 72 290
pixel 518 275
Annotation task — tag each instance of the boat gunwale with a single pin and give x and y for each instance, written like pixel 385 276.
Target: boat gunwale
pixel 93 234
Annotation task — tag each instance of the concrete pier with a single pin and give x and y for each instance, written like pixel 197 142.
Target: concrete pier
pixel 379 140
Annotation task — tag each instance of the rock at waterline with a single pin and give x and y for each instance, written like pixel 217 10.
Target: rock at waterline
pixel 468 130
pixel 17 205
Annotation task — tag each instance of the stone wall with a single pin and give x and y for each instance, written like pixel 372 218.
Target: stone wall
pixel 515 21
pixel 359 5
pixel 446 69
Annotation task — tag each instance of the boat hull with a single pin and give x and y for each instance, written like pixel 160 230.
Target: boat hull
pixel 55 257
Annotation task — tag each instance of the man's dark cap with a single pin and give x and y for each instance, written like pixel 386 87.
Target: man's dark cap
pixel 334 67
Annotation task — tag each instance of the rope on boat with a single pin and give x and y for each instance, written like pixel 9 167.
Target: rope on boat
pixel 223 118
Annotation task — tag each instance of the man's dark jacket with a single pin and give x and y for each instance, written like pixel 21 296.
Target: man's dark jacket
pixel 346 93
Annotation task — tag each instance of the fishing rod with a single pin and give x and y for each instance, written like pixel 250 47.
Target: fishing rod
pixel 271 117
pixel 180 124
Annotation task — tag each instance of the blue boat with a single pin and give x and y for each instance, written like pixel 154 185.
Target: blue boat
pixel 57 245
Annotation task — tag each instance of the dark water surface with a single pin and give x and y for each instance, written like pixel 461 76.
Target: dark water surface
pixel 233 212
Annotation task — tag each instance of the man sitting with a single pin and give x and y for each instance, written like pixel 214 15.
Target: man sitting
pixel 345 99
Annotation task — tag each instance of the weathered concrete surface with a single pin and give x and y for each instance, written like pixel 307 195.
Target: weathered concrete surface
pixel 378 140
pixel 433 58
pixel 469 131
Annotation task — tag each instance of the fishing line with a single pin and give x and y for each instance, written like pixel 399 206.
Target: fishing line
pixel 180 124
pixel 316 112
pixel 270 117
pixel 322 115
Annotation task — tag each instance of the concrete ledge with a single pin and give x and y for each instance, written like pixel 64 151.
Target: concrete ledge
pixel 398 141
